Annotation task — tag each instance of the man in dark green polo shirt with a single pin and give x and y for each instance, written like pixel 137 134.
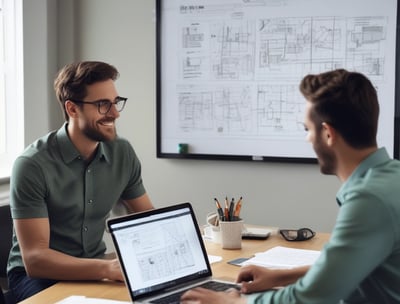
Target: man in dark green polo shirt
pixel 64 185
pixel 361 261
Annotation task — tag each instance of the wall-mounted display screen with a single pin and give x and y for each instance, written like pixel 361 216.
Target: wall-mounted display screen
pixel 228 72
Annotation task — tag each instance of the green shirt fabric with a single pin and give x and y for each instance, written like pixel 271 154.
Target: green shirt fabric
pixel 51 180
pixel 362 258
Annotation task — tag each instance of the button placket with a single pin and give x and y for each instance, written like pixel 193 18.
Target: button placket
pixel 87 210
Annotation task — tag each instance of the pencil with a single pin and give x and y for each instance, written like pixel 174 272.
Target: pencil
pixel 217 203
pixel 238 207
pixel 231 206
pixel 226 214
pixel 219 209
pixel 226 209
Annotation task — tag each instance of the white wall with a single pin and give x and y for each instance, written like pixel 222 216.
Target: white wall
pixel 122 32
pixel 40 63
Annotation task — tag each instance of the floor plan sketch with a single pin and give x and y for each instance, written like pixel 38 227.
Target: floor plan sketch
pixel 192 66
pixel 366 42
pixel 292 47
pixel 172 253
pixel 284 47
pixel 225 111
pixel 192 37
pixel 232 50
pixel 194 60
pixel 221 50
pixel 280 111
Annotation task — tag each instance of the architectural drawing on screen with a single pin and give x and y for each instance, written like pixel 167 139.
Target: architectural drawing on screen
pixel 230 70
pixel 266 102
pixel 280 111
pixel 172 253
pixel 232 50
pixel 292 47
pixel 227 110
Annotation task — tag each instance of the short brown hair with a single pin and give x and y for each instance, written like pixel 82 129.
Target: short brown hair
pixel 347 101
pixel 72 80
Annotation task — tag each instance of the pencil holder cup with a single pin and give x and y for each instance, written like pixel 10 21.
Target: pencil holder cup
pixel 231 234
pixel 212 230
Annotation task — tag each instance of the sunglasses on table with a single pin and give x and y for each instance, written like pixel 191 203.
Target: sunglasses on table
pixel 301 234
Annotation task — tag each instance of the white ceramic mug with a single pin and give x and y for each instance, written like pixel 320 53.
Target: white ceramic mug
pixel 212 229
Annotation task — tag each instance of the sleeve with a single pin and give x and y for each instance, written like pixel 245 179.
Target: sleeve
pixel 359 242
pixel 27 189
pixel 134 187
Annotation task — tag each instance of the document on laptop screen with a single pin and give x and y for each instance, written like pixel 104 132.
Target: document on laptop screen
pixel 160 248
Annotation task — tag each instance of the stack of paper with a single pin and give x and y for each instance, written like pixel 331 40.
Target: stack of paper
pixel 283 257
pixel 214 258
pixel 86 300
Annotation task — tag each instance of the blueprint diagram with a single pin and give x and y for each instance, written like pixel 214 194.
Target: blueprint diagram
pixel 288 48
pixel 162 255
pixel 230 111
pixel 279 110
pixel 223 110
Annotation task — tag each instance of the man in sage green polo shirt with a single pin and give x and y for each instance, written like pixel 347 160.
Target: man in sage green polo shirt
pixel 65 184
pixel 361 262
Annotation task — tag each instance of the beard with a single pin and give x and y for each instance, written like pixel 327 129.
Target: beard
pixel 96 134
pixel 326 158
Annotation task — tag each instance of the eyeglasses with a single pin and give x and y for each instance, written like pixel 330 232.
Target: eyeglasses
pixel 302 234
pixel 104 105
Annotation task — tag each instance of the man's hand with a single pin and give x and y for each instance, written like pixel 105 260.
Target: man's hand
pixel 114 271
pixel 255 278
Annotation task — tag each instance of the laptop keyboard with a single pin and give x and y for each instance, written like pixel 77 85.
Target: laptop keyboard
pixel 175 297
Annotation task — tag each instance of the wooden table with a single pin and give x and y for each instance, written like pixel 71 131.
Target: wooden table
pixel 222 270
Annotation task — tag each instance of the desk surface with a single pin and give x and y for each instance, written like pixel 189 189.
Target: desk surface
pixel 221 270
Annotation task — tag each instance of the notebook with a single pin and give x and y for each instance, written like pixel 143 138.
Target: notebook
pixel 161 251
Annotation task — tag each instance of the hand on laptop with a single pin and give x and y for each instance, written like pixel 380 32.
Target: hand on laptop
pixel 255 278
pixel 207 296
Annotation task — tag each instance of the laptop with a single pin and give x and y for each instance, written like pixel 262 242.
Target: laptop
pixel 161 252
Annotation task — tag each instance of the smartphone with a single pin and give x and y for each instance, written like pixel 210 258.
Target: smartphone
pixel 237 262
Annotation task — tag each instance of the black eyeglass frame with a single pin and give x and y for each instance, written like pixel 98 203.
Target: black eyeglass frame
pixel 303 234
pixel 102 102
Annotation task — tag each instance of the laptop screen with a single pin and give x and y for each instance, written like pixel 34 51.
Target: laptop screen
pixel 159 249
